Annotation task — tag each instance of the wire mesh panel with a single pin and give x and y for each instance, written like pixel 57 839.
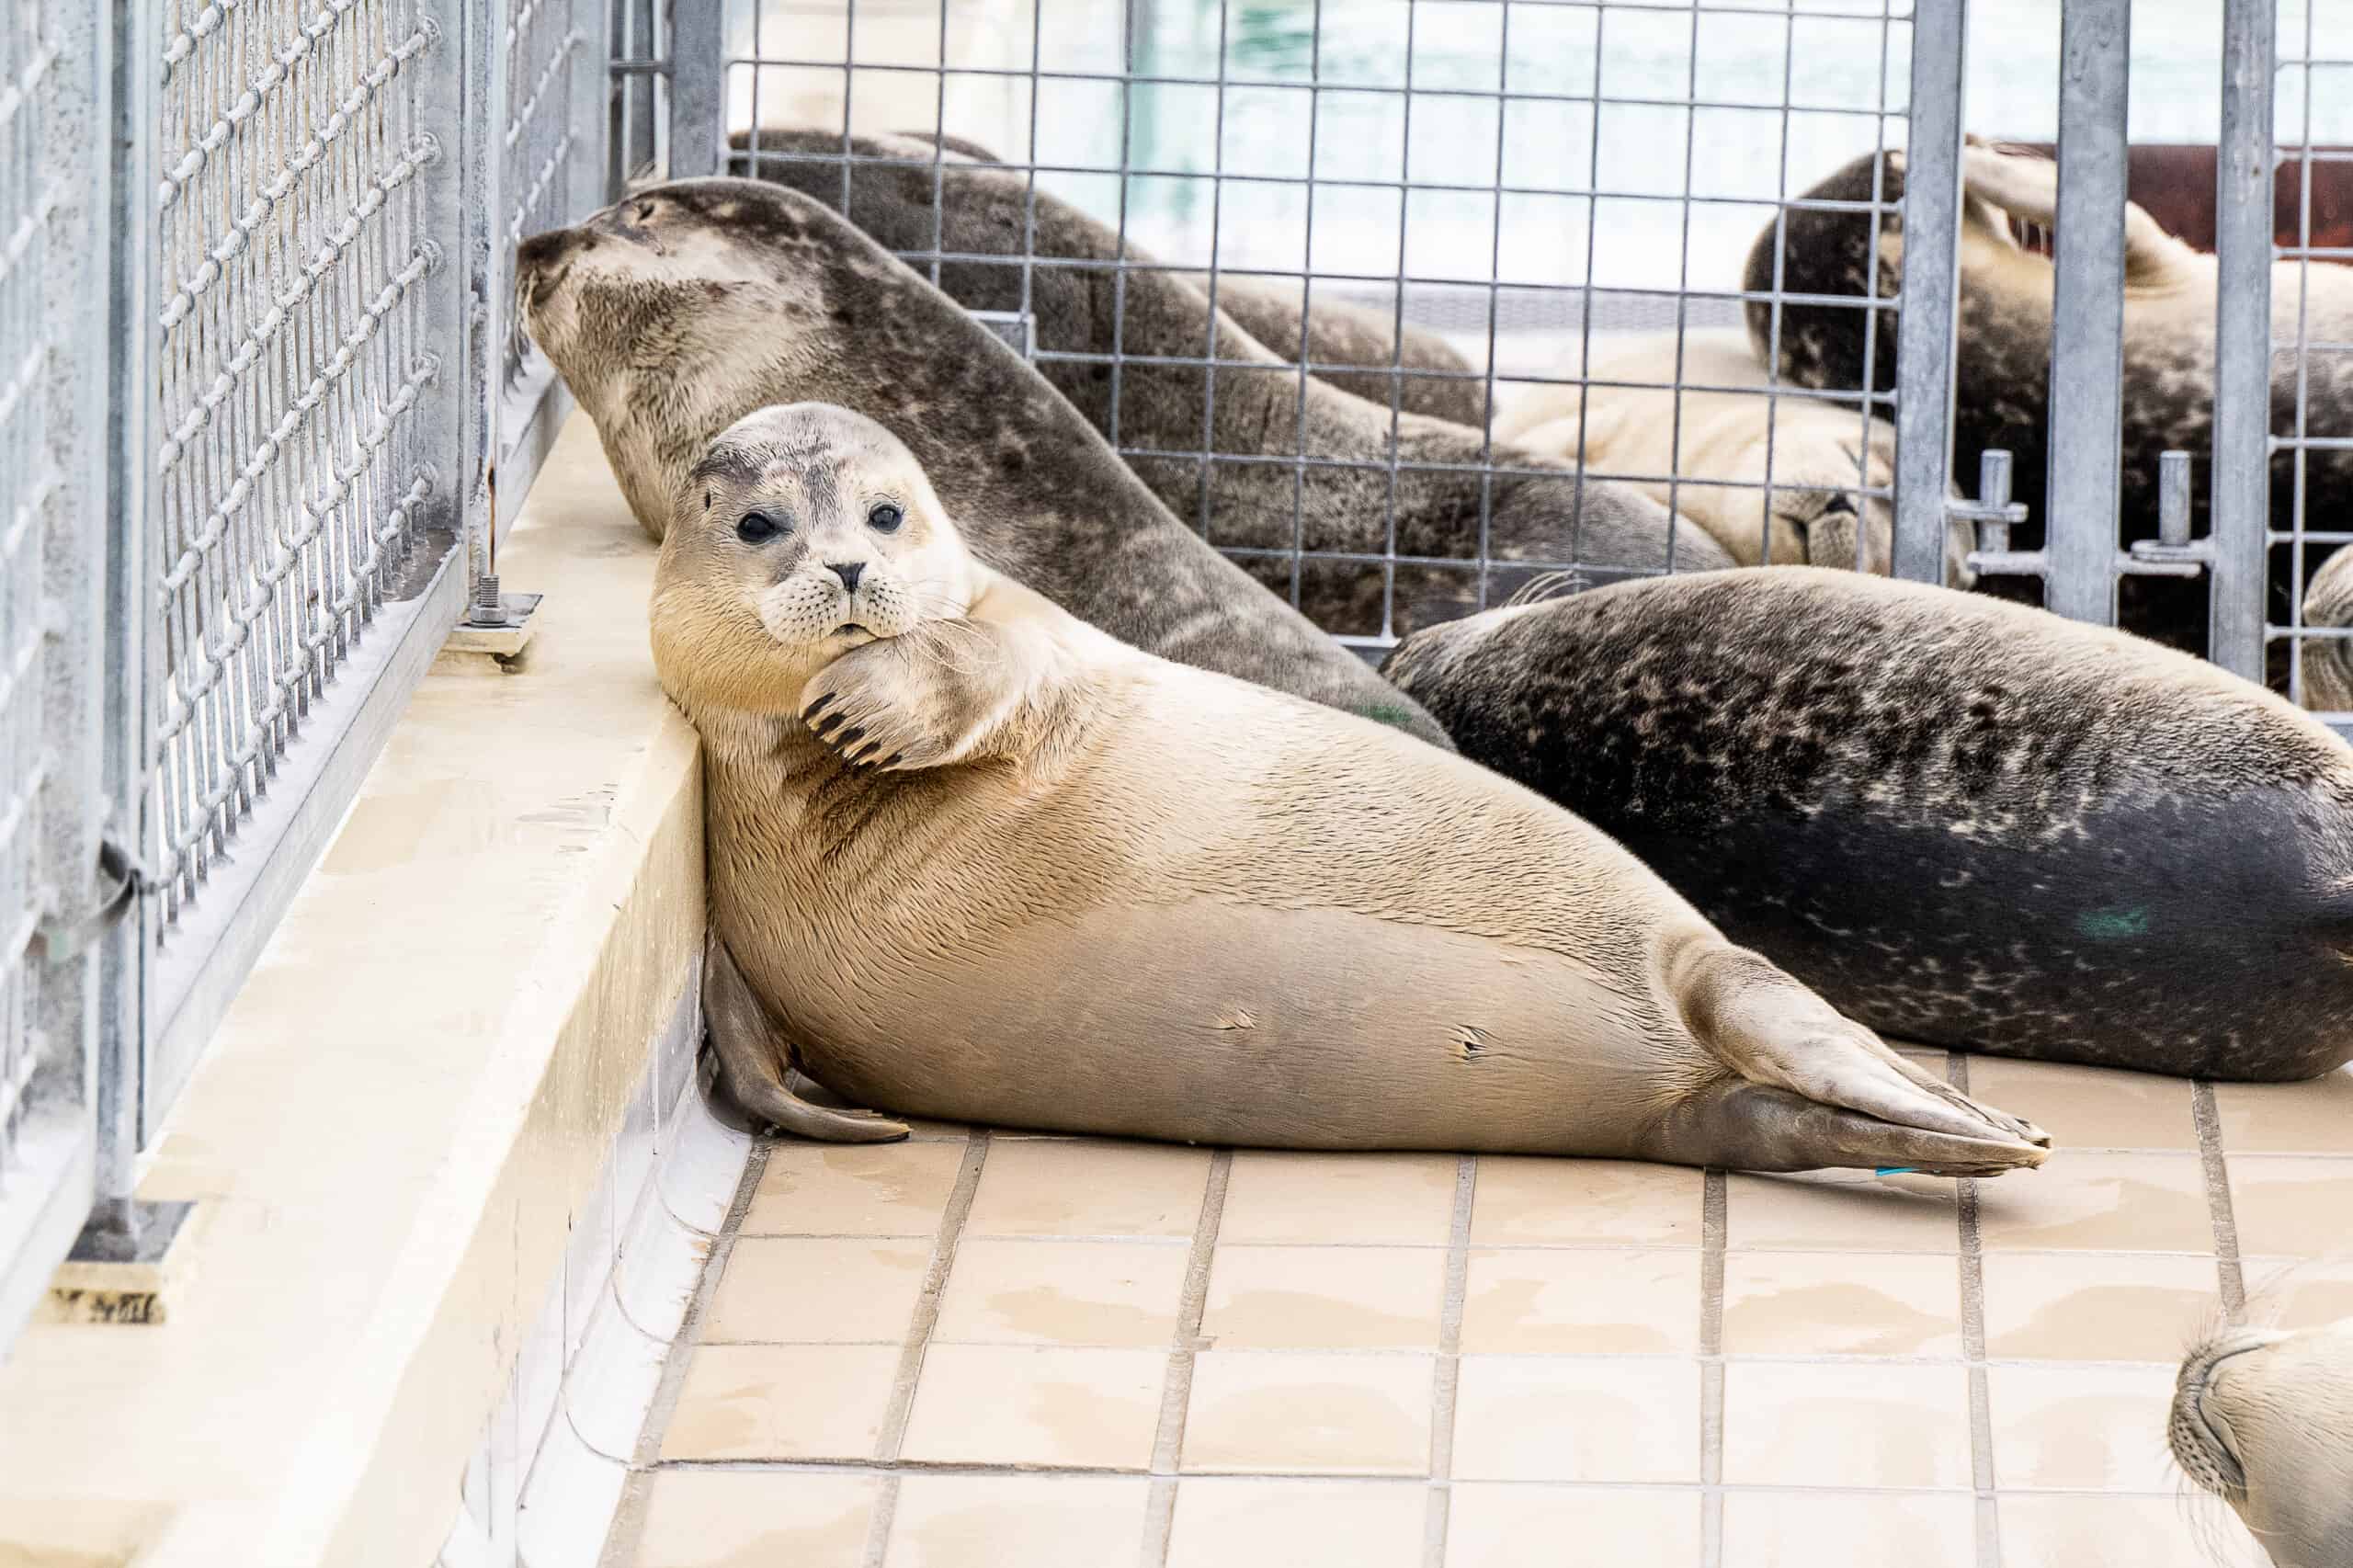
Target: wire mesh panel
pixel 52 166
pixel 1537 214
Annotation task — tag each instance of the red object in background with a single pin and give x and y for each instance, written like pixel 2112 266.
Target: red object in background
pixel 2175 181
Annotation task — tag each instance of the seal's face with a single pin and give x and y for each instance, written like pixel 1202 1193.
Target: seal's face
pixel 805 532
pixel 2266 1420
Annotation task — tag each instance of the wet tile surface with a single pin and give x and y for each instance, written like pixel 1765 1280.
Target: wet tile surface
pixel 1190 1359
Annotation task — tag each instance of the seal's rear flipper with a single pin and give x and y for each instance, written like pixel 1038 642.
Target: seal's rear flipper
pixel 752 1063
pixel 1750 1126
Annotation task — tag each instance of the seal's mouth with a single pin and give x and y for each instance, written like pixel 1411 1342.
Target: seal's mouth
pixel 2211 1452
pixel 851 629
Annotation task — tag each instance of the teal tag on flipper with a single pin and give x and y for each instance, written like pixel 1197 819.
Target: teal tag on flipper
pixel 1895 1170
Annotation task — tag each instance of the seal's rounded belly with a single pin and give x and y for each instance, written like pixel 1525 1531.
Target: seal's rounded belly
pixel 1961 821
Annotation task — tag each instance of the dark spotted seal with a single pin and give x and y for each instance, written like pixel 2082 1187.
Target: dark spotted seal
pixel 973 857
pixel 1424 496
pixel 676 312
pixel 1962 820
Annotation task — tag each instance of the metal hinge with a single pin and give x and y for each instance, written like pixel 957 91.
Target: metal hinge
pixel 121 880
pixel 2172 553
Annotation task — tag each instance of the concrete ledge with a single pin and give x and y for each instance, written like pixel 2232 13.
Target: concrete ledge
pixel 421 1091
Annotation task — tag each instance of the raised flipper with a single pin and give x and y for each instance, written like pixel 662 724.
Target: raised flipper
pixel 754 1063
pixel 1806 1087
pixel 2027 188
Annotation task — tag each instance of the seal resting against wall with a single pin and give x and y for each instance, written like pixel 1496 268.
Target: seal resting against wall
pixel 1832 472
pixel 977 859
pixel 1437 506
pixel 680 310
pixel 2002 363
pixel 2265 1421
pixel 1961 821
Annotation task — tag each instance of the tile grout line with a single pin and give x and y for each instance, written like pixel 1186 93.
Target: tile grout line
pixel 1177 1387
pixel 1972 1348
pixel 1446 1377
pixel 1715 1224
pixel 628 1514
pixel 2230 1274
pixel 919 1341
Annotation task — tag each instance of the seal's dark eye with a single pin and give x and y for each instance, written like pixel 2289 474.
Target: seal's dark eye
pixel 886 519
pixel 757 527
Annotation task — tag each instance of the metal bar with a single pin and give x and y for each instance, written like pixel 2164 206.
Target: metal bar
pixel 2243 235
pixel 2087 311
pixel 1928 328
pixel 698 75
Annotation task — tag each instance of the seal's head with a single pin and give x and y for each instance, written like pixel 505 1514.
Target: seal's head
pixel 806 531
pixel 2265 1420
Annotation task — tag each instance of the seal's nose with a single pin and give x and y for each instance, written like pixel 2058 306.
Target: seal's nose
pixel 848 572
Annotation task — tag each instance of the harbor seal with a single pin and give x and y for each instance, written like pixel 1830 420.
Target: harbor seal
pixel 1832 471
pixel 2264 1420
pixel 1961 821
pixel 2002 356
pixel 980 860
pixel 1354 346
pixel 1438 496
pixel 676 312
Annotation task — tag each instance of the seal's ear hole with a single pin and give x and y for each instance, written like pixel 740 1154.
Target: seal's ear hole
pixel 706 500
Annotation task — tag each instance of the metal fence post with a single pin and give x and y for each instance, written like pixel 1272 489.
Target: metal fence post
pixel 698 80
pixel 2088 323
pixel 2242 244
pixel 1930 320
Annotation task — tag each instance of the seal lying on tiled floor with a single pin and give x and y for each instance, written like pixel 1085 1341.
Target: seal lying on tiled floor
pixel 685 307
pixel 2265 1420
pixel 981 861
pixel 1963 822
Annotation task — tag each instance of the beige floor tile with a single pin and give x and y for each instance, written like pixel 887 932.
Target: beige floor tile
pixel 1088 1186
pixel 1401 1199
pixel 1492 1526
pixel 1306 1298
pixel 1528 1200
pixel 1577 1418
pixel 1588 1301
pixel 2287 1207
pixel 1799 1529
pixel 2081 1428
pixel 1236 1522
pixel 2089 1108
pixel 1021 1405
pixel 1332 1414
pixel 2293 1292
pixel 2099 1201
pixel 818 1289
pixel 1007 1292
pixel 2096 1306
pixel 878 1189
pixel 1841 1304
pixel 2144 1532
pixel 989 1522
pixel 753 1518
pixel 1841 1211
pixel 781 1401
pixel 1853 1424
pixel 2315 1118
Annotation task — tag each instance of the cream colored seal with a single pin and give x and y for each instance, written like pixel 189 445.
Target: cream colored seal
pixel 977 859
pixel 1790 480
pixel 2265 1421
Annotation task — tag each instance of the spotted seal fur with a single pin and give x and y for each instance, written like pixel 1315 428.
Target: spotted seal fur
pixel 1962 820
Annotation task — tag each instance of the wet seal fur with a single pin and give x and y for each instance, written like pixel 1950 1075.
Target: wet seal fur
pixel 975 858
pixel 2264 1420
pixel 1961 821
pixel 2002 364
pixel 1700 451
pixel 1256 413
pixel 683 308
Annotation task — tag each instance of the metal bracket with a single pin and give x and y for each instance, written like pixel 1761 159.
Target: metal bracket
pixel 497 624
pixel 2172 553
pixel 1018 329
pixel 1994 514
pixel 62 939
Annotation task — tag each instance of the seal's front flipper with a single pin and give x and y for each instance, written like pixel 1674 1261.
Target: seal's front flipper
pixel 1750 1126
pixel 752 1063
